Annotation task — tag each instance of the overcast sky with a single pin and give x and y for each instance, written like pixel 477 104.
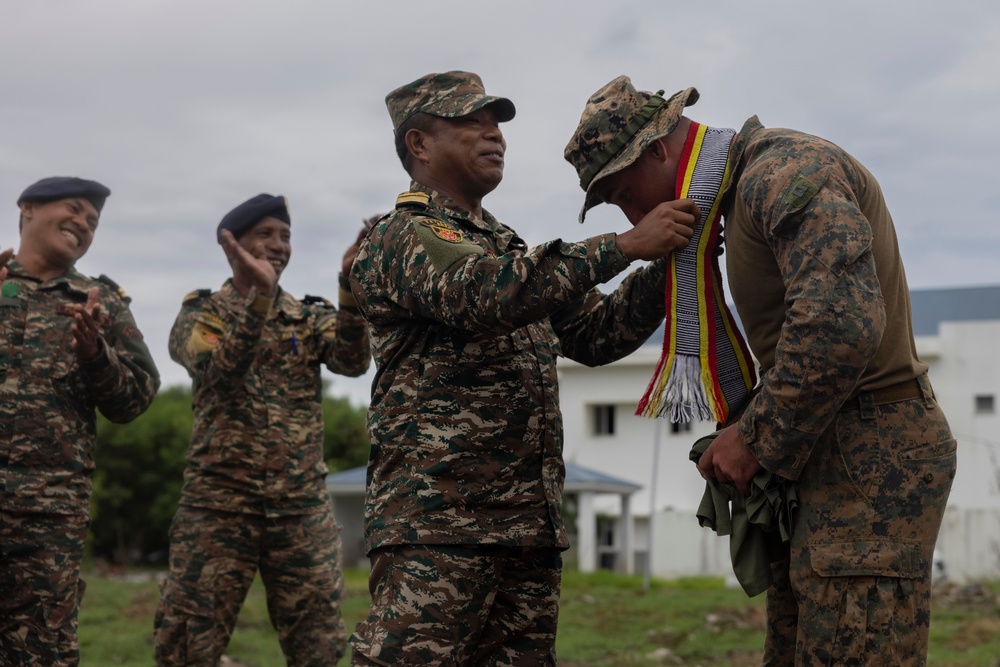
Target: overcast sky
pixel 185 108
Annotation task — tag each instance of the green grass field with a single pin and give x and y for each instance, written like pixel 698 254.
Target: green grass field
pixel 606 620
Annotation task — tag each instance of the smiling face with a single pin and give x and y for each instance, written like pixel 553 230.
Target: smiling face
pixel 465 153
pixel 58 232
pixel 274 236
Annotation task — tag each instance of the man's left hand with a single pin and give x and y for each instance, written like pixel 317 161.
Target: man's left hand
pixel 729 460
pixel 87 327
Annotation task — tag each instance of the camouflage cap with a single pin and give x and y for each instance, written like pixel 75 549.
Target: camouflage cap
pixel 617 125
pixel 448 95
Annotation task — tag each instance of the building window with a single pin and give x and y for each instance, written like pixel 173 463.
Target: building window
pixel 604 420
pixel 680 427
pixel 985 405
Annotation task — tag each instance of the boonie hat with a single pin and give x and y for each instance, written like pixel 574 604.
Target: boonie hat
pixel 250 212
pixel 64 187
pixel 448 94
pixel 617 125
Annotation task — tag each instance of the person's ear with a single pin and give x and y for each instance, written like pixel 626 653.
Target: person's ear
pixel 417 142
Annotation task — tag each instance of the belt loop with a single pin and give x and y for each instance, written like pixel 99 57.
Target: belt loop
pixel 866 403
pixel 926 389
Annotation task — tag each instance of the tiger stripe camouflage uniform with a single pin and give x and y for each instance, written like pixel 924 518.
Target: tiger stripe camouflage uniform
pixel 845 406
pixel 466 471
pixel 47 436
pixel 254 488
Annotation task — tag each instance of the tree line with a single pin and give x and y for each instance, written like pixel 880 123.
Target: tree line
pixel 140 467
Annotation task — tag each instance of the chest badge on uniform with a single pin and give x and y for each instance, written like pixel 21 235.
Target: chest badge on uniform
pixel 10 290
pixel 444 230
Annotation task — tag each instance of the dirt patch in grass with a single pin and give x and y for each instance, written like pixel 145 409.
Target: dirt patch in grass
pixel 742 618
pixel 974 632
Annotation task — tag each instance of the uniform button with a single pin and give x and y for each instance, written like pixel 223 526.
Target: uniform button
pixel 928 477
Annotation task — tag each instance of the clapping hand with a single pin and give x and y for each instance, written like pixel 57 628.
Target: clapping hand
pixel 87 327
pixel 250 268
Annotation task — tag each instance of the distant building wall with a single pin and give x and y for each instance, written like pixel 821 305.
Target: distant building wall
pixel 964 370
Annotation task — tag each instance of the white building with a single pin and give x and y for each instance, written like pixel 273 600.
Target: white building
pixel 956 330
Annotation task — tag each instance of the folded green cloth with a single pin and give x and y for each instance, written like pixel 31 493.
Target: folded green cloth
pixel 757 525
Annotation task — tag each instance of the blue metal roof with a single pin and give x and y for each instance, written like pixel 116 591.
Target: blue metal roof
pixel 578 478
pixel 930 307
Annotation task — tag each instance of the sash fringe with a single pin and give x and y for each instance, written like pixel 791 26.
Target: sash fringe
pixel 705 369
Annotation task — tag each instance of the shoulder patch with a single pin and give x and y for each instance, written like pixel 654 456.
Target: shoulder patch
pixel 115 287
pixel 211 321
pixel 411 198
pixel 800 192
pixel 444 242
pixel 203 338
pixel 197 294
pixel 444 230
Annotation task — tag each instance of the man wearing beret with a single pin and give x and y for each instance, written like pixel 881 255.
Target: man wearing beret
pixel 254 495
pixel 463 519
pixel 844 407
pixel 70 346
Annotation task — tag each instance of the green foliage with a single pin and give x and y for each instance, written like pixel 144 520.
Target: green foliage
pixel 138 477
pixel 345 440
pixel 140 468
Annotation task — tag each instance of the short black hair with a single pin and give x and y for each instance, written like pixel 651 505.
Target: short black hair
pixel 419 121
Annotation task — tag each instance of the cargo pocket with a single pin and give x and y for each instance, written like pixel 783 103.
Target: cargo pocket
pixel 866 602
pixel 868 558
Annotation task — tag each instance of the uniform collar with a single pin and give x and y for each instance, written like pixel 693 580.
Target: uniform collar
pixel 72 279
pixel 736 154
pixel 454 211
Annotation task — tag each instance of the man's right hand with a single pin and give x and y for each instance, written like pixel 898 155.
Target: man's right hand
pixel 250 269
pixel 4 258
pixel 666 228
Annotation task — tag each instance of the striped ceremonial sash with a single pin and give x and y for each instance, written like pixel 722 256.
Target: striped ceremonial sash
pixel 705 368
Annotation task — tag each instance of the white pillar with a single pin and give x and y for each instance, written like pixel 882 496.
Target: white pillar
pixel 586 533
pixel 628 534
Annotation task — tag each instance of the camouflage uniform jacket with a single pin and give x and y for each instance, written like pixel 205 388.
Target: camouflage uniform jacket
pixel 257 442
pixel 48 398
pixel 466 324
pixel 819 285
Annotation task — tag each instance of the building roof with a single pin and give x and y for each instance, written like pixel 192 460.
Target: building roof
pixel 930 307
pixel 578 479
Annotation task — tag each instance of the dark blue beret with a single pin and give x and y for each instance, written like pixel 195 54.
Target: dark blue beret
pixel 250 212
pixel 64 187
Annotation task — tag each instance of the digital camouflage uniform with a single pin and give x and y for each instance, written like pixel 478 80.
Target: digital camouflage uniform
pixel 47 434
pixel 844 408
pixel 463 503
pixel 254 492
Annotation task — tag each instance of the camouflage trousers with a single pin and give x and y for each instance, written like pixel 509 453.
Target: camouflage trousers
pixel 40 588
pixel 855 589
pixel 214 556
pixel 450 605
